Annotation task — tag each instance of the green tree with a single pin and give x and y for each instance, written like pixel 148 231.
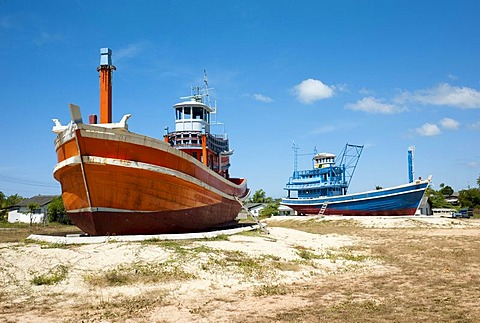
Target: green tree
pixel 469 198
pixel 260 197
pixel 437 199
pixel 13 199
pixel 56 211
pixel 2 211
pixel 6 202
pixel 269 210
pixel 446 190
pixel 478 181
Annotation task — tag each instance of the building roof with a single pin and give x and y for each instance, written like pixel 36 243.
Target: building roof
pixel 254 205
pixel 39 199
pixel 284 208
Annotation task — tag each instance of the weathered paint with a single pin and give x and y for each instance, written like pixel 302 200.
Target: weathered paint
pixel 204 150
pixel 135 188
pixel 401 200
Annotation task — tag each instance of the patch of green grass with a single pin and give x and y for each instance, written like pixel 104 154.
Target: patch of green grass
pixel 254 267
pixel 202 249
pixel 342 254
pixel 54 276
pixel 8 225
pixel 252 233
pixel 220 237
pixel 320 226
pixel 121 308
pixel 46 245
pixel 307 255
pixel 270 290
pixel 357 306
pixel 139 273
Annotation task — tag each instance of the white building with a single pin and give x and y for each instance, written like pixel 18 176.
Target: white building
pixel 285 210
pixel 21 213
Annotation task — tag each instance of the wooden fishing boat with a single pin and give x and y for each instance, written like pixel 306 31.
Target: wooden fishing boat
pixel 117 182
pixel 322 190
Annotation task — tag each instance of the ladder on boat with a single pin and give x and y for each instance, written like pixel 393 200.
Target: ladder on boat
pixel 261 226
pixel 323 208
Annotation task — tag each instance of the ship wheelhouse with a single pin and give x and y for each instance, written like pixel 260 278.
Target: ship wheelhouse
pixel 325 179
pixel 193 135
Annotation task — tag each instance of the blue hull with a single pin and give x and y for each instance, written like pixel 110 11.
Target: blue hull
pixel 400 200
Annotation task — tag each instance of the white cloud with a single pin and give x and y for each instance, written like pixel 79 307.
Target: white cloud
pixel 474 125
pixel 132 50
pixel 428 129
pixel 365 91
pixel 444 94
pixel 310 90
pixel 45 38
pixel 262 98
pixel 452 76
pixel 373 105
pixel 323 129
pixel 449 123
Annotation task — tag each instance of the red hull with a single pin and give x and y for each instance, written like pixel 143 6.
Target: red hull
pixel 181 221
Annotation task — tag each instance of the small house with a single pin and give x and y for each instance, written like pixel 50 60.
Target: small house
pixel 254 208
pixel 285 210
pixel 452 199
pixel 21 213
pixel 425 207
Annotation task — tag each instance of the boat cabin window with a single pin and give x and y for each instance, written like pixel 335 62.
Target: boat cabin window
pixel 197 113
pixel 179 113
pixel 187 111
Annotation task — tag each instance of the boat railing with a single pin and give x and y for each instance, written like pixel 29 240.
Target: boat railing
pixel 314 185
pixel 316 180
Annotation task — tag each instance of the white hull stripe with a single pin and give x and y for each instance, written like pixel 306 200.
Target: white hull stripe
pixel 107 209
pixel 96 132
pixel 141 166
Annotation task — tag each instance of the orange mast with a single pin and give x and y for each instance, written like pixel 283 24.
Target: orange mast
pixel 106 70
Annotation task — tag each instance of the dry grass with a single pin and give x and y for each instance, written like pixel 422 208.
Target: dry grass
pixel 14 232
pixel 429 277
pixel 421 274
pixel 144 273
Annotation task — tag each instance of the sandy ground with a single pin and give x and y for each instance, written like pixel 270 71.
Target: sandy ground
pixel 207 277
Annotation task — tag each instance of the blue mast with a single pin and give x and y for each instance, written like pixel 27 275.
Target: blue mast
pixel 411 152
pixel 349 160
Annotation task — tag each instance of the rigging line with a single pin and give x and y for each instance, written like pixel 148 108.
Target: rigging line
pixel 21 181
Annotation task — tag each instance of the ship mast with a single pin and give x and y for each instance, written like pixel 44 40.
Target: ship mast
pixel 411 156
pixel 106 70
pixel 349 160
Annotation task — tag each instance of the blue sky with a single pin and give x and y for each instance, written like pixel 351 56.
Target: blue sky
pixel 384 74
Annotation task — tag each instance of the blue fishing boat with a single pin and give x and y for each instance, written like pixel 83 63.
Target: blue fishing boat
pixel 323 189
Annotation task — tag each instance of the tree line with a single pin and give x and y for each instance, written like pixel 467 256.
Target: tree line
pixel 466 198
pixel 55 213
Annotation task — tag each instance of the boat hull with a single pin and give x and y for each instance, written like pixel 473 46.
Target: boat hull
pixel 116 182
pixel 397 201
